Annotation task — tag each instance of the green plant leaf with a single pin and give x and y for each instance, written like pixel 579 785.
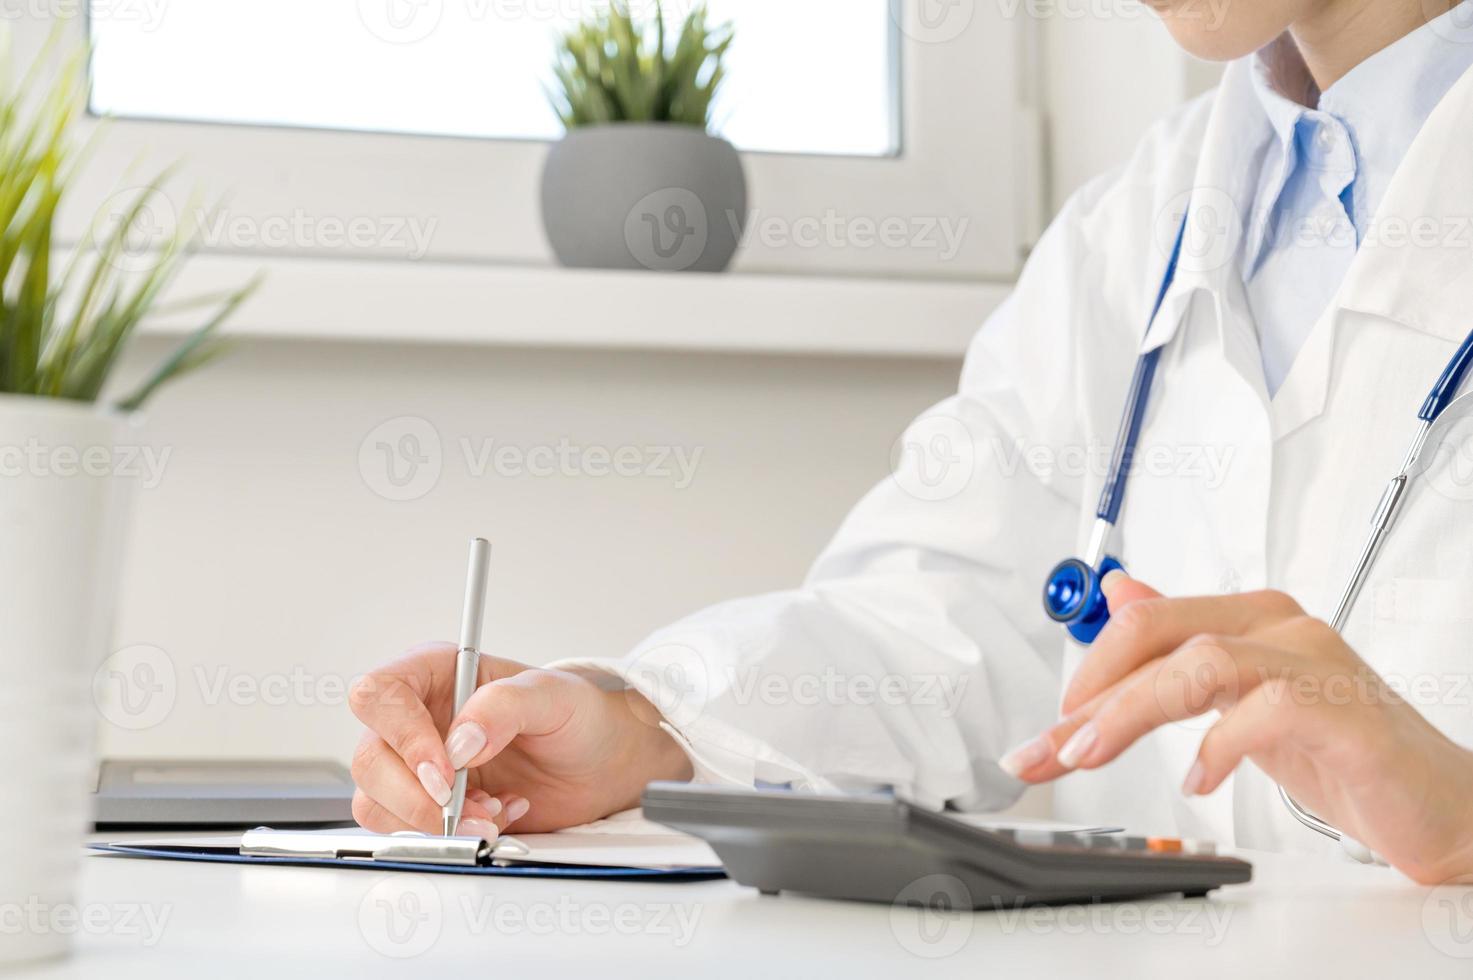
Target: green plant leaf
pixel 60 337
pixel 613 68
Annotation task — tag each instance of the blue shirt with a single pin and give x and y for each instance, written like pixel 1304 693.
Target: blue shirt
pixel 1327 169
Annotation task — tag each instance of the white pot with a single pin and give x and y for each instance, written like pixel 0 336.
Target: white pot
pixel 63 501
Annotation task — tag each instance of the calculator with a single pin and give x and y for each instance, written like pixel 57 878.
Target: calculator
pixel 877 848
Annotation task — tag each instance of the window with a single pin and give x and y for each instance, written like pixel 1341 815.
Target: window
pixel 804 77
pixel 884 138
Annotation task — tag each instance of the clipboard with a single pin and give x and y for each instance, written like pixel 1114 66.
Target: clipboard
pixel 406 851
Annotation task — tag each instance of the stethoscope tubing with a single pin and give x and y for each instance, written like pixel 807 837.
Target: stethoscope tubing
pixel 1112 496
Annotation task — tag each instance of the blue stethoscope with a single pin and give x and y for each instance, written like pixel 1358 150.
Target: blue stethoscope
pixel 1071 594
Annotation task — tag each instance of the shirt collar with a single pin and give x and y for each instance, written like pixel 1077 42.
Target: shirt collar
pixel 1382 102
pixel 1387 97
pixel 1385 100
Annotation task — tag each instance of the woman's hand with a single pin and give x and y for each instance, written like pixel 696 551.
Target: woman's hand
pixel 544 749
pixel 1293 698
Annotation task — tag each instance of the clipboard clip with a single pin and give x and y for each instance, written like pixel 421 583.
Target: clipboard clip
pixel 405 847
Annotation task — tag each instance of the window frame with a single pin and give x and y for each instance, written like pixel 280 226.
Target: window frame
pixel 975 166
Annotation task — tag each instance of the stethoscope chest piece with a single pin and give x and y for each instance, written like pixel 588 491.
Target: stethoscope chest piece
pixel 1072 597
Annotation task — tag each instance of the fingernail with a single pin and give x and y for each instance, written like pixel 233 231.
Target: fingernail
pixel 516 810
pixel 471 827
pixel 1078 746
pixel 434 783
pixel 464 744
pixel 1195 780
pixel 489 802
pixel 1026 756
pixel 1112 578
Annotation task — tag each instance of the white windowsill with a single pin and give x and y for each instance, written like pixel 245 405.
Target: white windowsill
pixel 430 303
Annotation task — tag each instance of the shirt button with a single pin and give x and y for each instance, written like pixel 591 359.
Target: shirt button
pixel 1324 140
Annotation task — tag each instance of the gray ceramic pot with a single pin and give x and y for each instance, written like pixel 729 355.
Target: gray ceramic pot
pixel 635 196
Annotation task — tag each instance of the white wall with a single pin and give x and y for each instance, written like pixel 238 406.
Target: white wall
pixel 1106 78
pixel 264 555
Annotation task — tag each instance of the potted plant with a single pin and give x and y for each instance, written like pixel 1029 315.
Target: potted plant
pixel 638 181
pixel 63 482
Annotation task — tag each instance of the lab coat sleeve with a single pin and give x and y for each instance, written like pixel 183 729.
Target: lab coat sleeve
pixel 916 652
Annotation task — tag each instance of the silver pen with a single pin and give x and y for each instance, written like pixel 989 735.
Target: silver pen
pixel 468 661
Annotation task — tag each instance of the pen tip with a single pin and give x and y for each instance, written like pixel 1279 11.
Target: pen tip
pixel 450 825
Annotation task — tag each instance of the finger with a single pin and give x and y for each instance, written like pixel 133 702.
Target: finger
pixel 1146 629
pixel 385 778
pixel 1036 761
pixel 392 702
pixel 492 815
pixel 374 816
pixel 535 702
pixel 1204 674
pixel 483 814
pixel 1262 719
pixel 1121 590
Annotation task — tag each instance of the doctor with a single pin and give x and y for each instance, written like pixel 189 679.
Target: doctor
pixel 1323 198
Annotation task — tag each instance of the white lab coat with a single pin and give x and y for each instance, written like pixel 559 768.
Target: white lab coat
pixel 917 652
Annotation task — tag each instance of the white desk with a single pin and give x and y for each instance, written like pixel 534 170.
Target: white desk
pixel 1300 918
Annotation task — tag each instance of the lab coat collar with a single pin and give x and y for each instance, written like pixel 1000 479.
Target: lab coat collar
pixel 1415 266
pixel 1217 205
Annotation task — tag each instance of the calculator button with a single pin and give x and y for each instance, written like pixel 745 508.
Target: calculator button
pixel 1163 845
